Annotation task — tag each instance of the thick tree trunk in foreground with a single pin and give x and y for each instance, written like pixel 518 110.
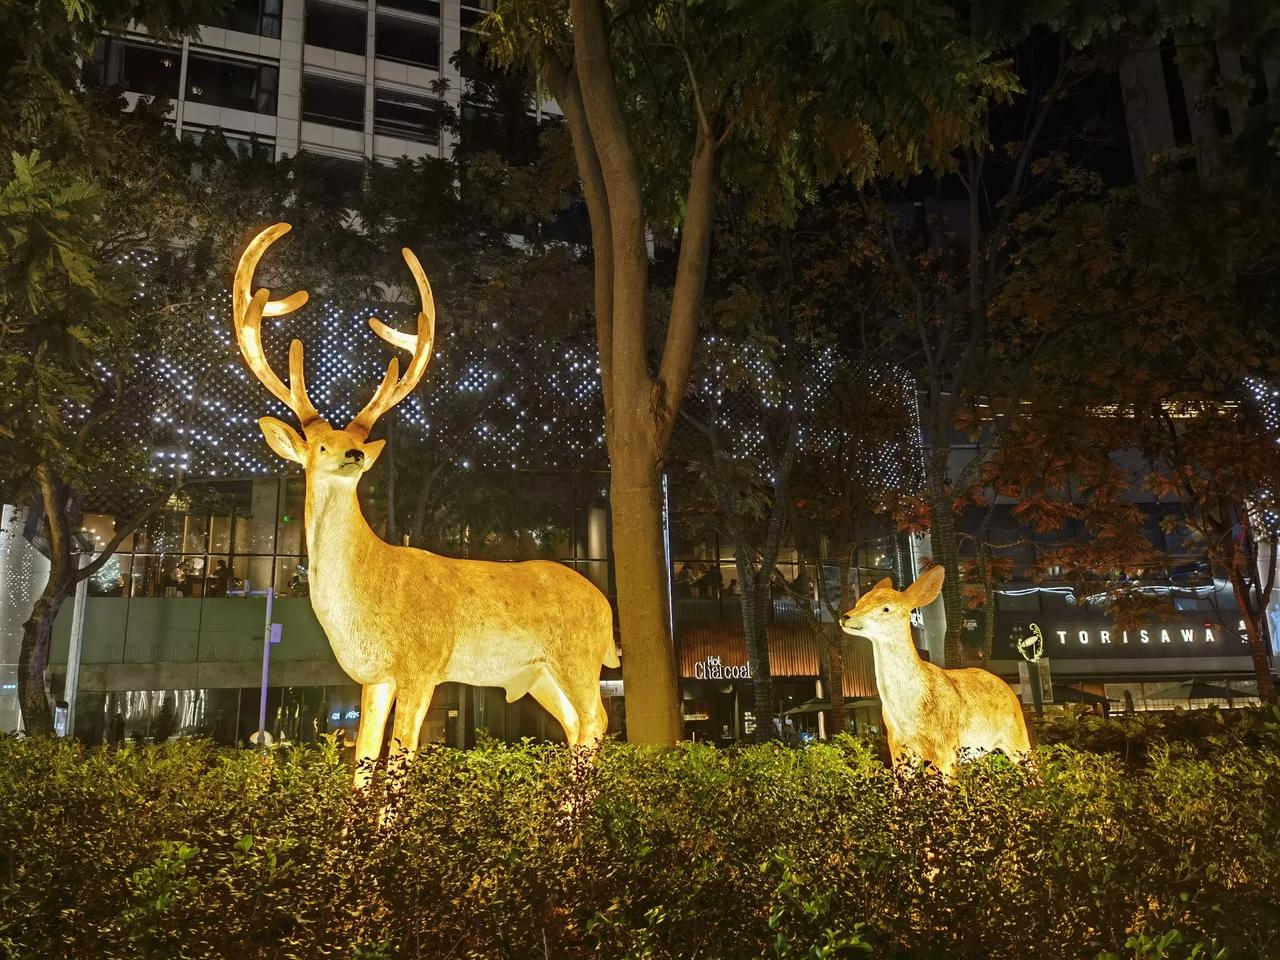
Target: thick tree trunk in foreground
pixel 33 659
pixel 755 630
pixel 640 571
pixel 835 685
pixel 945 552
pixel 1257 647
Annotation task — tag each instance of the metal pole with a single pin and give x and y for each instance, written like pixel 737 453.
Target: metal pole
pixel 74 650
pixel 266 666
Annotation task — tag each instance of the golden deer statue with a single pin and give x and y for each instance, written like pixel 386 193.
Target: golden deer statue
pixel 402 620
pixel 937 715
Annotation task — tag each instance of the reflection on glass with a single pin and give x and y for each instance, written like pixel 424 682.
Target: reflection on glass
pixel 112 579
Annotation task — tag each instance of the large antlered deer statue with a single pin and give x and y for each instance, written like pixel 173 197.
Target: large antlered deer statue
pixel 402 620
pixel 935 714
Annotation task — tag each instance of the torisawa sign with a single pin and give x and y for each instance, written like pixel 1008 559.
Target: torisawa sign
pixel 1166 640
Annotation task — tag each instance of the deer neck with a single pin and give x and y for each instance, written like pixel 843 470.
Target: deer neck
pixel 338 535
pixel 900 673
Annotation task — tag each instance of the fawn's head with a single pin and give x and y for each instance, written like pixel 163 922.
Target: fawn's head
pixel 882 611
pixel 337 455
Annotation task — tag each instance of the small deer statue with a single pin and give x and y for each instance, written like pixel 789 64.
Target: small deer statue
pixel 402 620
pixel 935 714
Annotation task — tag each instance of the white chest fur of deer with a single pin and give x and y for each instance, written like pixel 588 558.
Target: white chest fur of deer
pixel 402 620
pixel 938 715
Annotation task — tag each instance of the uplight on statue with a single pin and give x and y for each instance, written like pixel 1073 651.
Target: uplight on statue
pixel 937 715
pixel 402 620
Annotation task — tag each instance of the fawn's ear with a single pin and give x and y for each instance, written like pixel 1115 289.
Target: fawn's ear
pixel 283 439
pixel 371 451
pixel 885 584
pixel 926 588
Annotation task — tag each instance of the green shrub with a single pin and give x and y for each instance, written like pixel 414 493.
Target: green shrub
pixel 181 849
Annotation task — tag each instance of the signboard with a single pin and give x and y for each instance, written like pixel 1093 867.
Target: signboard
pixel 1092 641
pixel 712 669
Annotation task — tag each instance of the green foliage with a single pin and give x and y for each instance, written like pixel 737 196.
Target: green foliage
pixel 185 850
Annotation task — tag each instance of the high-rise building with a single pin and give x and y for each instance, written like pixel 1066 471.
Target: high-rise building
pixel 340 80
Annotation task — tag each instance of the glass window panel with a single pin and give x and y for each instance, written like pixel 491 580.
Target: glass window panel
pixel 428 7
pixel 1018 599
pixel 290 532
pixel 261 17
pixel 335 177
pixel 235 84
pixel 336 27
pixel 408 41
pixel 291 577
pixel 112 580
pixel 333 102
pixel 406 116
pixel 140 67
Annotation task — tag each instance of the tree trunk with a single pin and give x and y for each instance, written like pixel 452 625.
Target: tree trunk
pixel 835 684
pixel 943 538
pixel 640 571
pixel 1257 646
pixel 33 658
pixel 755 630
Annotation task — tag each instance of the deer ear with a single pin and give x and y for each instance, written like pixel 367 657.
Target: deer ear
pixel 927 587
pixel 885 584
pixel 371 452
pixel 283 439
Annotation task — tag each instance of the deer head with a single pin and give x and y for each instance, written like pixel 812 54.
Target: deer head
pixel 883 612
pixel 338 456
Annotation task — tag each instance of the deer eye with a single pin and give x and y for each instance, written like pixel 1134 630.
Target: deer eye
pixel 322 449
pixel 886 609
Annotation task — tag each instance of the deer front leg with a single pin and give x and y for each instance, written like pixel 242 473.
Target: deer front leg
pixel 375 705
pixel 411 711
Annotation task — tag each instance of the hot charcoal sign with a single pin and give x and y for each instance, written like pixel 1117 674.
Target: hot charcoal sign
pixel 1092 640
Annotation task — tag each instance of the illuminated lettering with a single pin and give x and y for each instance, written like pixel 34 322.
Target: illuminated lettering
pixel 1208 635
pixel 1104 636
pixel 1083 636
pixel 1143 636
pixel 1188 636
pixel 1062 636
pixel 1164 637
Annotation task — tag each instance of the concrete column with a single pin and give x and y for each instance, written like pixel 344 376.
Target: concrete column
pixel 450 42
pixel 1146 107
pixel 1272 611
pixel 23 574
pixel 262 532
pixel 934 631
pixel 289 102
pixel 597 571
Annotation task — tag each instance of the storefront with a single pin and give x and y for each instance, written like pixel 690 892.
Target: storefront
pixel 1167 663
pixel 716 690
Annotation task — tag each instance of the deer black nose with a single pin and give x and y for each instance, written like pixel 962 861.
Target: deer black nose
pixel 356 455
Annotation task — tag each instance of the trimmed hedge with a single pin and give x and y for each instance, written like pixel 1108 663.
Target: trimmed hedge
pixel 187 850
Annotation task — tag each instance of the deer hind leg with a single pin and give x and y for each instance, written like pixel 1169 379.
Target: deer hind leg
pixel 375 705
pixel 411 710
pixel 594 718
pixel 548 692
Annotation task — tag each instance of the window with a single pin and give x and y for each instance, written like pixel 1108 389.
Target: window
pixel 406 116
pixel 336 27
pixel 333 102
pixel 140 67
pixel 252 16
pixel 428 7
pixel 409 41
pixel 235 84
pixel 335 177
pixel 238 142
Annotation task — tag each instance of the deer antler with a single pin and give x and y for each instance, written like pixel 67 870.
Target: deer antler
pixel 394 387
pixel 248 311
